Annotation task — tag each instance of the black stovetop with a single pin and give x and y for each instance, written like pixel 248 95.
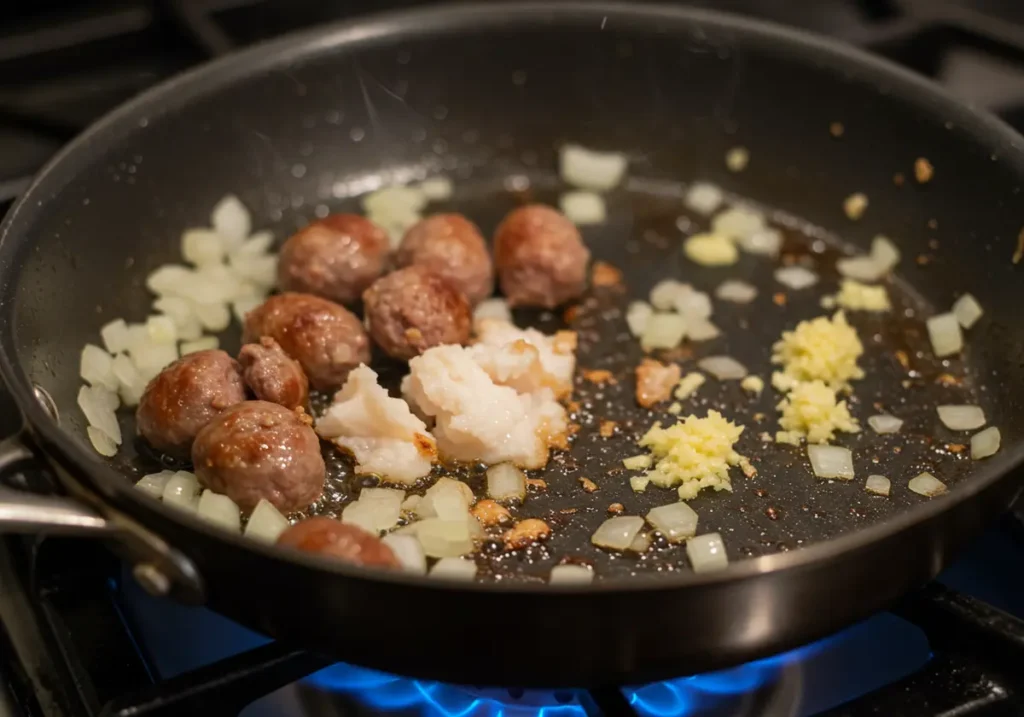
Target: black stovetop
pixel 78 640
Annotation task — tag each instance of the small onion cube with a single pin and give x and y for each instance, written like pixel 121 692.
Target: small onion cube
pixel 694 305
pixel 161 329
pixel 796 277
pixel 739 292
pixel 961 418
pixel 861 268
pixel 492 309
pixel 219 510
pixel 617 533
pixel 582 208
pixel 98 405
pixel 153 484
pixel 454 568
pixel 640 543
pixel 202 246
pixel 388 203
pixel 637 315
pixel 182 491
pixel 96 367
pixel 151 359
pixel 258 243
pixel 266 522
pixel 436 189
pixel 707 553
pixel 665 293
pixel 213 317
pixel 701 330
pixel 884 253
pixel 231 220
pixel 884 423
pixel 637 463
pixel 170 279
pixel 985 443
pixel 206 343
pixel 927 485
pixel 879 485
pixel 115 336
pixel 831 461
pixel 967 310
pixel 675 521
pixel 505 482
pixel 738 222
pixel 571 575
pixel 373 516
pixel 444 538
pixel 260 270
pixel 704 198
pixel 100 441
pixel 458 490
pixel 663 331
pixel 944 332
pixel 724 368
pixel 590 169
pixel 639 483
pixel 409 552
pixel 764 242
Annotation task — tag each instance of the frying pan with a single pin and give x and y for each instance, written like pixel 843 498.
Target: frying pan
pixel 481 93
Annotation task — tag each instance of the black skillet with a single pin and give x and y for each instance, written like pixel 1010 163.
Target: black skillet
pixel 481 93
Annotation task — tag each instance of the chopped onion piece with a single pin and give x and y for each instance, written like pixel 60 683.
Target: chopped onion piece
pixel 220 510
pixel 182 491
pixel 738 222
pixel 663 331
pixel 436 189
pixel 96 367
pixel 207 343
pixel 640 543
pixel 884 253
pixel 103 444
pixel 967 310
pixel 590 169
pixel 707 553
pixel 410 503
pixel 961 418
pixel 675 521
pixel 831 461
pixel 884 423
pixel 161 329
pixel 444 538
pixel 739 292
pixel 170 279
pixel 666 293
pixel 861 268
pixel 693 305
pixel 582 208
pixel 701 330
pixel 379 509
pixel 571 575
pixel 266 522
pixel 409 552
pixel 637 316
pixel 213 317
pixel 115 336
pixel 944 332
pixel 617 533
pixel 724 368
pixel 796 277
pixel 985 443
pixel 637 463
pixel 454 569
pixel 258 243
pixel 153 484
pixel 879 485
pixel 927 485
pixel 506 482
pixel 130 382
pixel 496 309
pixel 765 242
pixel 202 246
pixel 703 198
pixel 231 220
pixel 151 359
pixel 451 493
pixel 98 405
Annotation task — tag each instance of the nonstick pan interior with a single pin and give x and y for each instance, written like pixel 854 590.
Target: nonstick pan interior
pixel 305 136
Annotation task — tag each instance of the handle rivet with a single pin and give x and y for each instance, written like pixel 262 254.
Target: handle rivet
pixel 152 579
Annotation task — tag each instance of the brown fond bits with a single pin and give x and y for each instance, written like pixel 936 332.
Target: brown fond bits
pixel 898 179
pixel 571 313
pixel 1019 253
pixel 616 508
pixel 599 376
pixel 923 170
pixel 923 260
pixel 489 512
pixel 525 533
pixel 933 223
pixel 608 428
pixel 605 275
pixel 537 483
pixel 588 485
pixel 948 380
pixel 903 358
pixel 779 298
pixel 955 447
pixel 836 129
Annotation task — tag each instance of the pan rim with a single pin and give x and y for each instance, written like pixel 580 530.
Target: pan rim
pixel 452 18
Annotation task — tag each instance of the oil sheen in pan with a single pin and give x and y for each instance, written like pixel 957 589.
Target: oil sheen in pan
pixel 784 506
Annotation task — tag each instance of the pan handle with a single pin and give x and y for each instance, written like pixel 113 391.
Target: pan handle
pixel 159 569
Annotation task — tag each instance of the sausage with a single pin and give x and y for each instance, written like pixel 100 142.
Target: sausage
pixel 451 246
pixel 184 397
pixel 325 338
pixel 412 309
pixel 327 536
pixel 259 449
pixel 540 257
pixel 336 258
pixel 272 375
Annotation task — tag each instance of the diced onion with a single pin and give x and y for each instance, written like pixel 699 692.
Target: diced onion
pixel 220 510
pixel 453 568
pixel 944 332
pixel 927 485
pixel 202 246
pixel 861 268
pixel 182 491
pixel 242 307
pixel 637 316
pixel 765 242
pixel 231 220
pixel 617 533
pixel 666 293
pixel 266 522
pixel 701 330
pixel 961 418
pixel 98 405
pixel 884 253
pixel 831 461
pixel 103 444
pixel 258 243
pixel 693 305
pixel 436 189
pixel 213 317
pixel 640 543
pixel 161 329
pixel 505 482
pixel 663 331
pixel 590 169
pixel 639 483
pixel 444 538
pixel 151 359
pixel 410 503
pixel 379 509
pixel 409 552
pixel 675 521
pixel 153 484
pixel 495 309
pixel 738 222
pixel 115 336
pixel 170 279
pixel 967 310
pixel 739 292
pixel 703 198
pixel 879 485
pixel 582 208
pixel 985 443
pixel 796 277
pixel 707 553
pixel 97 368
pixel 637 463
pixel 711 249
pixel 131 385
pixel 571 575
pixel 724 368
pixel 451 492
pixel 207 343
pixel 884 423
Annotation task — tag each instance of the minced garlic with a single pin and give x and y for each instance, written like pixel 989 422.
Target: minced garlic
pixel 821 349
pixel 752 384
pixel 811 410
pixel 689 384
pixel 791 437
pixel 695 453
pixel 856 296
pixel 711 250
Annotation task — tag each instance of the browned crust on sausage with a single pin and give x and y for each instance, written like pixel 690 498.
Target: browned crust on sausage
pixel 326 536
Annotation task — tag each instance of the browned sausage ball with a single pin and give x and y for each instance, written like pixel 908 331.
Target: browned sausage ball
pixel 540 257
pixel 259 449
pixel 326 339
pixel 273 375
pixel 183 398
pixel 451 246
pixel 327 536
pixel 336 257
pixel 412 309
